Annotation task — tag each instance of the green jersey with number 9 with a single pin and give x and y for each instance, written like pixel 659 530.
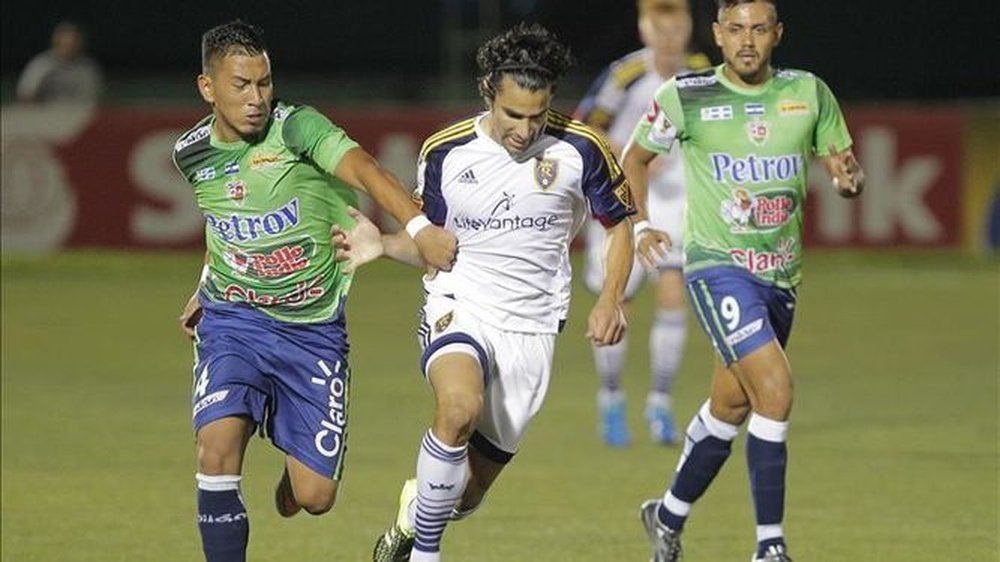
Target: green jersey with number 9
pixel 746 155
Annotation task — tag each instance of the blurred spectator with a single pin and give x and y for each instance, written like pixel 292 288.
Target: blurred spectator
pixel 64 72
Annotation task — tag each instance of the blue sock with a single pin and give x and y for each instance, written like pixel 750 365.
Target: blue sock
pixel 222 518
pixel 767 457
pixel 706 448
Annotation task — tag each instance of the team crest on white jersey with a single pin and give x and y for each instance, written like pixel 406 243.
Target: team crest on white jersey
pixel 758 131
pixel 442 323
pixel 546 172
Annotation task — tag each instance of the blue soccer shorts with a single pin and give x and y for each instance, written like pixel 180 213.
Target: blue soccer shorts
pixel 740 312
pixel 291 379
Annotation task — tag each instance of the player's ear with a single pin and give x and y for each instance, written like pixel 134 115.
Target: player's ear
pixel 778 31
pixel 717 33
pixel 205 88
pixel 487 91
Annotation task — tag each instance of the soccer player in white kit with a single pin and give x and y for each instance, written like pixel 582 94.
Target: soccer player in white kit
pixel 514 184
pixel 615 103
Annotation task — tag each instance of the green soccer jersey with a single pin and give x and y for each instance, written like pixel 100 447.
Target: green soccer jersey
pixel 746 154
pixel 269 206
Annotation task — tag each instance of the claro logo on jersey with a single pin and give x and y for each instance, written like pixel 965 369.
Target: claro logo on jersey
pixel 760 261
pixel 303 293
pixel 758 212
pixel 329 438
pixel 252 227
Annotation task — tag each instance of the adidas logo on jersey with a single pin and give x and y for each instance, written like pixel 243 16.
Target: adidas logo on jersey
pixel 468 177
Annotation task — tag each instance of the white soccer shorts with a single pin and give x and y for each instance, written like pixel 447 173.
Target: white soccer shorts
pixel 516 366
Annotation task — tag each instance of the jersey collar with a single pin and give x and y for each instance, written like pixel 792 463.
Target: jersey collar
pixel 741 89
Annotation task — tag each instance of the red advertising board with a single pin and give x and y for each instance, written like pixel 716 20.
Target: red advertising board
pixel 85 177
pixel 912 157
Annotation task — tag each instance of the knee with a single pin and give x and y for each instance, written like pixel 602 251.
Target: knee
pixel 218 457
pixel 733 413
pixel 457 415
pixel 317 500
pixel 775 397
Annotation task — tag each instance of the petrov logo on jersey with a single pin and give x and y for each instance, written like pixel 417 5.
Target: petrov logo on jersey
pixel 252 227
pixel 755 169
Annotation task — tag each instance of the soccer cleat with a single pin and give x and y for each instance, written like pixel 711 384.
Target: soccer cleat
pixel 395 544
pixel 774 553
pixel 666 542
pixel 614 424
pixel 284 497
pixel 661 421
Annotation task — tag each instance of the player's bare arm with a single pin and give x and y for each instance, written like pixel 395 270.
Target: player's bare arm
pixel 606 323
pixel 192 309
pixel 651 244
pixel 845 172
pixel 364 243
pixel 437 246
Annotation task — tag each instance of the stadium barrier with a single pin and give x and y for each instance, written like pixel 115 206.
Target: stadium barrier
pixel 103 177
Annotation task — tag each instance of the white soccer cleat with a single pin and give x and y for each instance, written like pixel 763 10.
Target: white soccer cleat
pixel 666 542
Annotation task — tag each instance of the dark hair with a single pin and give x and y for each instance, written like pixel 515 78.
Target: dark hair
pixel 530 54
pixel 726 4
pixel 236 37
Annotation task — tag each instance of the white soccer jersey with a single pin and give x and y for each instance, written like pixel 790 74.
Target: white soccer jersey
pixel 619 98
pixel 515 219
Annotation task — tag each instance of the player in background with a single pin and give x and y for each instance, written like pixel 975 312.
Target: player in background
pixel 514 183
pixel 267 318
pixel 746 131
pixel 615 102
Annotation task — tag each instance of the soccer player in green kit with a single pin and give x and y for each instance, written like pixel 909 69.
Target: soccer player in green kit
pixel 272 178
pixel 746 132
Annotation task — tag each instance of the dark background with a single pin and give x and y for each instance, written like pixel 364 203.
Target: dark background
pixel 866 50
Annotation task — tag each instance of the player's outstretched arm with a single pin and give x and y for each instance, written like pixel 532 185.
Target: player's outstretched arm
pixel 845 171
pixel 635 164
pixel 191 313
pixel 606 323
pixel 436 245
pixel 364 243
pixel 651 244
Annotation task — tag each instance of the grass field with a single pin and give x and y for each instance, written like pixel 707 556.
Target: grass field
pixel 893 447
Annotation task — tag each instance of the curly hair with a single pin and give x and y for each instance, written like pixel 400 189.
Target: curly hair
pixel 530 54
pixel 234 38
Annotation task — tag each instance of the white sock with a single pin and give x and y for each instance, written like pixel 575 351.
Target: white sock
pixel 666 348
pixel 441 474
pixel 609 360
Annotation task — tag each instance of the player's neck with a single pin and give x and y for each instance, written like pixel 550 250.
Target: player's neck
pixel 753 82
pixel 667 65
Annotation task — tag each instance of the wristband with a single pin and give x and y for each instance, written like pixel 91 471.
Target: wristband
pixel 641 226
pixel 417 224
